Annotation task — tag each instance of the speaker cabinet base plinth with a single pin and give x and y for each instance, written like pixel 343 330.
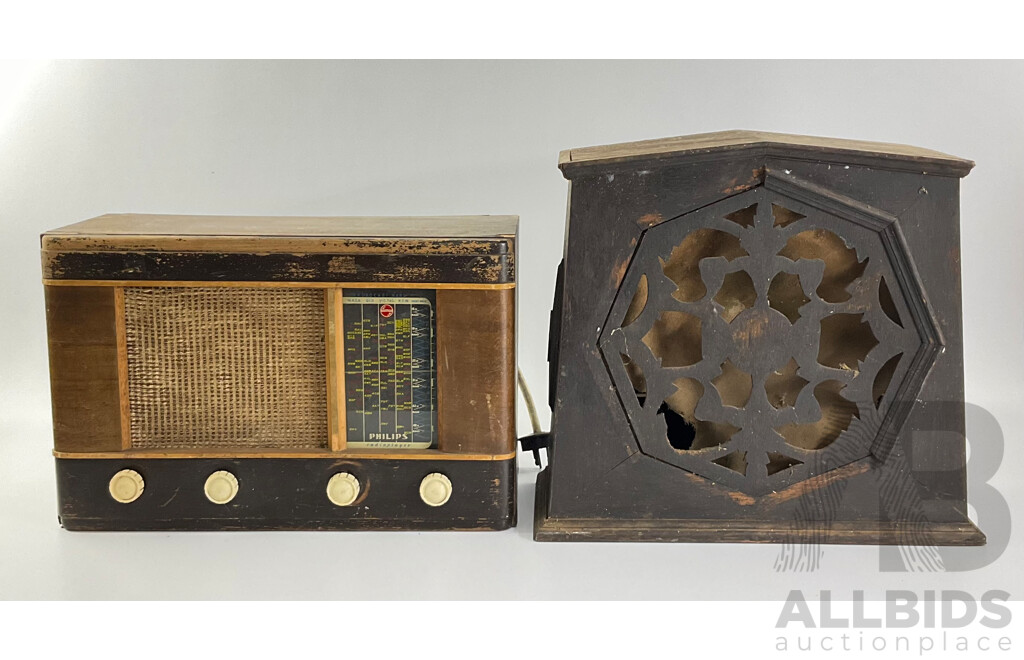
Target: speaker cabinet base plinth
pixel 285 494
pixel 546 528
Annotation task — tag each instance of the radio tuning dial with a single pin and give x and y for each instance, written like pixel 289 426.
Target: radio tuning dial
pixel 126 486
pixel 343 489
pixel 435 489
pixel 221 487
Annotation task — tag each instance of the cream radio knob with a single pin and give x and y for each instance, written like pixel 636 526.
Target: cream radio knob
pixel 343 489
pixel 221 487
pixel 126 486
pixel 435 489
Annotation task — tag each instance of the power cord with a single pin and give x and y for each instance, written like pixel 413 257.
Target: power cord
pixel 538 439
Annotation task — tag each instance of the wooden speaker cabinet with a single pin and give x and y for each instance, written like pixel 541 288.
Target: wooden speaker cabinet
pixel 283 373
pixel 757 337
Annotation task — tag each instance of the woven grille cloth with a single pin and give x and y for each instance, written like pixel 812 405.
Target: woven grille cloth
pixel 238 368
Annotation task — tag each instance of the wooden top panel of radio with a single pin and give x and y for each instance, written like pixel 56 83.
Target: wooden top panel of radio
pixel 187 227
pixel 454 249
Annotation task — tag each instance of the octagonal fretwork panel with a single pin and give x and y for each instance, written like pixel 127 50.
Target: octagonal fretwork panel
pixel 769 337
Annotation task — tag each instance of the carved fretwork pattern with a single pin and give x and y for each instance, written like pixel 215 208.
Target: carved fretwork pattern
pixel 769 337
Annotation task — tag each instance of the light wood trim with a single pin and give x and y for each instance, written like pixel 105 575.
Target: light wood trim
pixel 121 331
pixel 278 285
pixel 336 421
pixel 362 454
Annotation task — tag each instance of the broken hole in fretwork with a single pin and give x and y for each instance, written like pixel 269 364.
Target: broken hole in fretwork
pixel 841 265
pixel 636 378
pixel 783 217
pixel 683 265
pixel 637 303
pixel 783 386
pixel 883 378
pixel 743 217
pixel 786 295
pixel 886 301
pixel 779 462
pixel 845 341
pixel 682 428
pixel 675 339
pixel 736 295
pixel 736 461
pixel 837 413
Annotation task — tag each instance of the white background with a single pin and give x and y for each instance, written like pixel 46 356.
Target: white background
pixel 429 138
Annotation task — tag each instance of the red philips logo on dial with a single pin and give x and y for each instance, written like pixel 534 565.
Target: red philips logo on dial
pixel 387 311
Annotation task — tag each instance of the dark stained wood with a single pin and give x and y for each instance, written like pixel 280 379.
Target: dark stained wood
pixel 738 531
pixel 328 244
pixel 733 144
pixel 452 249
pixel 286 494
pixel 476 370
pixel 606 221
pixel 279 267
pixel 602 484
pixel 83 368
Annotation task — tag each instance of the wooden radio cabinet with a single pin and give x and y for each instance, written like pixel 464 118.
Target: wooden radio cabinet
pixel 283 373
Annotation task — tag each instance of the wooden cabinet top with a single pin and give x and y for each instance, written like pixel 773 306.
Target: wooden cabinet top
pixel 443 249
pixel 741 142
pixel 368 227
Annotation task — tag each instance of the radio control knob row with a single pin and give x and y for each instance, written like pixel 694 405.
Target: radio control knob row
pixel 221 487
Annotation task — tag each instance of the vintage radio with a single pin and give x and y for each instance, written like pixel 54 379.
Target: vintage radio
pixel 283 373
pixel 757 337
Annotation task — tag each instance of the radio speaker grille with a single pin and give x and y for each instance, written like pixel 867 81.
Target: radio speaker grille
pixel 239 368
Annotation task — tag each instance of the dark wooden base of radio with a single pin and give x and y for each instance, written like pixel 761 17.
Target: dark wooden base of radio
pixel 861 532
pixel 279 493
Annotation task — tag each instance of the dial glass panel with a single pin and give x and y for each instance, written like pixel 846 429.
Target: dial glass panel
pixel 390 371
